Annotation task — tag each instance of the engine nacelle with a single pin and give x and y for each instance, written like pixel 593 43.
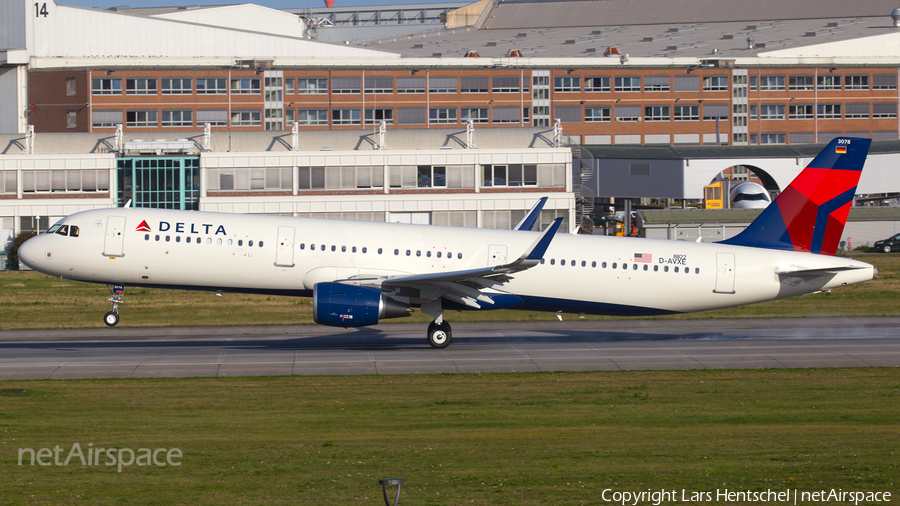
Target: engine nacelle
pixel 339 305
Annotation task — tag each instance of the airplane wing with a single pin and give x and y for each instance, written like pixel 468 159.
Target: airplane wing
pixel 527 222
pixel 466 286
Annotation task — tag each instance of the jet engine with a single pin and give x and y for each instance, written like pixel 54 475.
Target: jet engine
pixel 339 305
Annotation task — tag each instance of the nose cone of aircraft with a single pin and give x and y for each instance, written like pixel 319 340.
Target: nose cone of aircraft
pixel 30 252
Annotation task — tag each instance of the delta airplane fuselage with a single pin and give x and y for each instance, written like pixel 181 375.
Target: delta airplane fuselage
pixel 289 256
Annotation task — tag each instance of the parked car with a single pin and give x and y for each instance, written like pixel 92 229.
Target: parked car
pixel 888 245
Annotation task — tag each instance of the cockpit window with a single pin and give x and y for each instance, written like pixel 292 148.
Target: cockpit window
pixel 73 231
pixel 63 230
pixel 53 229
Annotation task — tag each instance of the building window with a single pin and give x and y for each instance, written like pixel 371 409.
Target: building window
pixel 246 85
pixel 568 113
pixel 177 86
pixel 771 112
pixel 505 115
pixel 752 84
pixel 8 181
pixel 656 113
pixel 312 85
pixel 856 82
pixel 474 84
pixel 184 118
pixel 771 138
pixel 211 86
pixel 308 117
pixel 828 82
pixel 442 85
pixel 139 119
pixel 274 89
pixel 597 114
pixel 376 116
pixel 140 86
pixel 70 86
pixel 410 85
pixel 687 113
pixel 476 114
pixel 628 113
pixel 771 83
pixel 596 84
pixel 753 112
pixel 505 84
pixel 249 117
pixel 686 83
pixel 884 82
pixel 106 86
pixel 509 175
pixel 715 83
pixel 442 115
pixel 657 83
pixel 800 83
pixel 341 178
pixel 856 110
pixel 345 116
pixel 739 138
pixel 61 180
pixel 345 85
pixel 801 112
pixel 249 178
pixel 217 117
pixel 628 84
pixel 714 111
pixel 567 84
pixel 289 116
pixel 829 111
pixel 884 110
pixel 289 85
pixel 429 176
pixel 379 84
pixel 71 119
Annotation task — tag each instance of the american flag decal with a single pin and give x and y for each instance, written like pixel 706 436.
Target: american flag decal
pixel 645 258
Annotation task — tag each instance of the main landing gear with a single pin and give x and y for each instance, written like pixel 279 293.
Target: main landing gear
pixel 111 319
pixel 439 335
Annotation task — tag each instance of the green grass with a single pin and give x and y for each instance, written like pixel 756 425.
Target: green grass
pixel 30 300
pixel 522 439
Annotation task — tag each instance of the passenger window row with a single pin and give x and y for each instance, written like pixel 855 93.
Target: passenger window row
pixel 353 249
pixel 624 266
pixel 198 240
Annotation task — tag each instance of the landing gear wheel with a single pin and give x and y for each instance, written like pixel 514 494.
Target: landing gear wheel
pixel 111 319
pixel 439 336
pixel 887 248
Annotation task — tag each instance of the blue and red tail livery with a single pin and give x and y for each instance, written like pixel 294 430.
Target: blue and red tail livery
pixel 809 215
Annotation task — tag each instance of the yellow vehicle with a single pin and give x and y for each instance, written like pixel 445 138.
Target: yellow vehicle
pixel 714 196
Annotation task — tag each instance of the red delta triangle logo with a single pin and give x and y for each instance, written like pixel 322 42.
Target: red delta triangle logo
pixel 143 227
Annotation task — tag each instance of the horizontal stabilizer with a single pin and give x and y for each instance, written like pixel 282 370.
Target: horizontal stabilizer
pixel 795 270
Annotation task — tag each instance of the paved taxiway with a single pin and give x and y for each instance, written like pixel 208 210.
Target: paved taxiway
pixel 477 347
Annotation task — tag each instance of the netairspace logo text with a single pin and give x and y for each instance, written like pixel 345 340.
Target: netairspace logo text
pixel 789 496
pixel 119 457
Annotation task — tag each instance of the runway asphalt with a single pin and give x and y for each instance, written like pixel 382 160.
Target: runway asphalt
pixel 477 347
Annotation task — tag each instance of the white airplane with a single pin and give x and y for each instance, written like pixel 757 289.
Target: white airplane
pixel 359 272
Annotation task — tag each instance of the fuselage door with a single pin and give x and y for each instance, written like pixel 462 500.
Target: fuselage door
pixel 497 255
pixel 284 255
pixel 724 273
pixel 113 244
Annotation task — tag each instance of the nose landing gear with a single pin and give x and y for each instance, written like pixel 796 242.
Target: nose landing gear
pixel 111 319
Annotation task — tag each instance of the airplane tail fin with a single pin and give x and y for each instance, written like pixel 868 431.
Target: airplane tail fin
pixel 809 215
